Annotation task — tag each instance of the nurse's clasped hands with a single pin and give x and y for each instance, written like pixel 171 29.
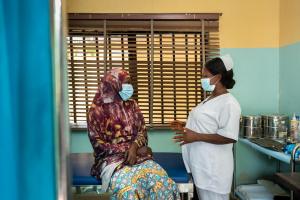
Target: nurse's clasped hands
pixel 185 136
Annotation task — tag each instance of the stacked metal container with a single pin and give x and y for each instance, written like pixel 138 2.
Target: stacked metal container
pixel 268 126
pixel 275 126
pixel 251 126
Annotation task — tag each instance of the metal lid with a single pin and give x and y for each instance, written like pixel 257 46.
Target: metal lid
pixel 251 117
pixel 277 116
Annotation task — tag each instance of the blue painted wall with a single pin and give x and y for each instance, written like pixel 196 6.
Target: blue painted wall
pixel 257 76
pixel 159 141
pixel 290 79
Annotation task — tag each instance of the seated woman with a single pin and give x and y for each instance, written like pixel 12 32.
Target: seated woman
pixel 118 135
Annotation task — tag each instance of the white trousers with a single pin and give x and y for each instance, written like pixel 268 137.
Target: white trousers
pixel 209 195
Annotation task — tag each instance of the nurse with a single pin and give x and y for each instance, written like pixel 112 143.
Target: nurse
pixel 210 131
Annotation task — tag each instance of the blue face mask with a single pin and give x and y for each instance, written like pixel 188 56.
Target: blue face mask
pixel 126 92
pixel 205 83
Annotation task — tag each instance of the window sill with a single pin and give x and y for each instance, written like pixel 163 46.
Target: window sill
pixel 78 128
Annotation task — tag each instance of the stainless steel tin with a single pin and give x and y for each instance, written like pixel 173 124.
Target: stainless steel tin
pixel 276 126
pixel 251 132
pixel 252 121
pixel 276 133
pixel 251 127
pixel 277 120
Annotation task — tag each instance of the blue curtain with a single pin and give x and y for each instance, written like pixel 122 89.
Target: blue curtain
pixel 27 164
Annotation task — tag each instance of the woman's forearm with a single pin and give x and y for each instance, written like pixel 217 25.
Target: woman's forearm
pixel 214 139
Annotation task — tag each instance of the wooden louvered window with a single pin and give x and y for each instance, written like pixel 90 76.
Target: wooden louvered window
pixel 164 54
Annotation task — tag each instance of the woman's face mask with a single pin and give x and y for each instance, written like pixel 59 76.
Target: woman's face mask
pixel 126 92
pixel 205 83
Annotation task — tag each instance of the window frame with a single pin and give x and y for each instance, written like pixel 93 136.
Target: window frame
pixel 79 19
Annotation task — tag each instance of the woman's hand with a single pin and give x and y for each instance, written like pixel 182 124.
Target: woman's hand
pixel 130 155
pixel 177 125
pixel 186 136
pixel 144 151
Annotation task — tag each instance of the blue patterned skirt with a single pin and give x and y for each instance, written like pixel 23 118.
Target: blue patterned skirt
pixel 147 180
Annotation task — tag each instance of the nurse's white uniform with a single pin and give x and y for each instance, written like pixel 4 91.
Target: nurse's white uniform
pixel 211 165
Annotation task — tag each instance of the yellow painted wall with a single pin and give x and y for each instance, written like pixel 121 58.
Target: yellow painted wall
pixel 289 22
pixel 244 23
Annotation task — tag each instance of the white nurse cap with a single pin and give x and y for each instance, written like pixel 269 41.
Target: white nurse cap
pixel 228 62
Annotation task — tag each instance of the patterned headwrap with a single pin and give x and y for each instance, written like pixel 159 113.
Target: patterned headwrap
pixel 114 124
